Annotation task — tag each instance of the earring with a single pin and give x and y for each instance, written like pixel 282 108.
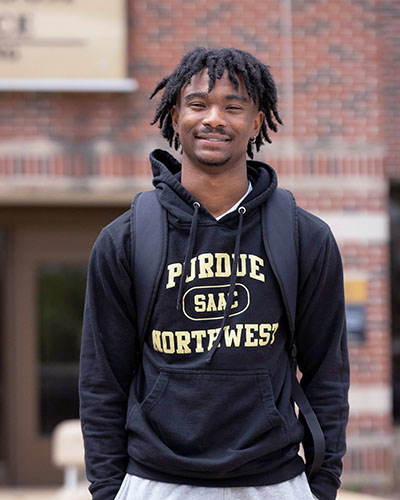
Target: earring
pixel 253 140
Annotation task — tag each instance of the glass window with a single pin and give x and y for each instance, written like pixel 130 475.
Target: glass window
pixel 61 292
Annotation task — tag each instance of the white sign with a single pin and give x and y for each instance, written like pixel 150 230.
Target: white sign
pixel 63 39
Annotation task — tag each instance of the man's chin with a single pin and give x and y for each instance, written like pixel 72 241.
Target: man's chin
pixel 213 161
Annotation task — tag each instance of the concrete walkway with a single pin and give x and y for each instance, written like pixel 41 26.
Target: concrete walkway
pixel 59 494
pixel 42 494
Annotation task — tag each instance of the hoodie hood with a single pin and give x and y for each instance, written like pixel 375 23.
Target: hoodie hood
pixel 179 202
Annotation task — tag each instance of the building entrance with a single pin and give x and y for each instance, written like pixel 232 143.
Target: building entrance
pixel 47 252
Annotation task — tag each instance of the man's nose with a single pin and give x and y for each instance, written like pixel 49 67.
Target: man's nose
pixel 214 117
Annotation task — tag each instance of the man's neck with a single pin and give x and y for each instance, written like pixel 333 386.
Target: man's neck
pixel 217 190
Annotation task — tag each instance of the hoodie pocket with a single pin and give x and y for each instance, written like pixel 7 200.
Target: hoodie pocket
pixel 207 423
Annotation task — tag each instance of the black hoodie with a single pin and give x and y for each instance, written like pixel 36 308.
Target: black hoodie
pixel 208 402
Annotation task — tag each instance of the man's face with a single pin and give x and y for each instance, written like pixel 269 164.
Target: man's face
pixel 214 128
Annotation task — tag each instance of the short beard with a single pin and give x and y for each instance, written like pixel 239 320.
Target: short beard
pixel 220 163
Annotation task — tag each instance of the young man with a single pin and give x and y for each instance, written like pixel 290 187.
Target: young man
pixel 205 410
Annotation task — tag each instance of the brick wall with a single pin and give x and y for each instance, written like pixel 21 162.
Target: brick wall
pixel 341 102
pixel 342 132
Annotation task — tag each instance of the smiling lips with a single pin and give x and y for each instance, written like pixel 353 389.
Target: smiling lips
pixel 216 138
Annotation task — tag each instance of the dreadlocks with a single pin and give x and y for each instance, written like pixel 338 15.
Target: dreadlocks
pixel 256 77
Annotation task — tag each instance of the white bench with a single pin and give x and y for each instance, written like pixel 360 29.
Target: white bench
pixel 68 453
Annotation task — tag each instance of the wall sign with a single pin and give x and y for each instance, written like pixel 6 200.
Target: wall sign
pixel 63 40
pixel 356 299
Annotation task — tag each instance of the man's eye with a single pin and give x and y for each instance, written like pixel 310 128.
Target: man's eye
pixel 235 108
pixel 196 105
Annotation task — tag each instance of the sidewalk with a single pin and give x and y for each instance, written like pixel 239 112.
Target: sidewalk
pixel 346 495
pixel 42 494
pixel 59 494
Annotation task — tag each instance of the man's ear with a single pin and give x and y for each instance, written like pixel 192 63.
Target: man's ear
pixel 175 117
pixel 258 122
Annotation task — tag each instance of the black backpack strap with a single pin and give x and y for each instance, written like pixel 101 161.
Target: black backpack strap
pixel 281 245
pixel 310 417
pixel 280 236
pixel 149 252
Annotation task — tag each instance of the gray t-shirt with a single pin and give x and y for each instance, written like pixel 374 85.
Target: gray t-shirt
pixel 137 488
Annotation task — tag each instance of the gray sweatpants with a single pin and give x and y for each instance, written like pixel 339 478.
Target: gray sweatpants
pixel 137 488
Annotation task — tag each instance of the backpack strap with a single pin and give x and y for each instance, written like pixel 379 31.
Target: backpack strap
pixel 149 243
pixel 282 246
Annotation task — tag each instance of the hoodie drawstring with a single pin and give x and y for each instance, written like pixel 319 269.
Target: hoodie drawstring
pixel 232 284
pixel 189 253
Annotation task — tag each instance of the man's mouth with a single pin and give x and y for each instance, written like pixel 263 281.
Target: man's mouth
pixel 213 138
